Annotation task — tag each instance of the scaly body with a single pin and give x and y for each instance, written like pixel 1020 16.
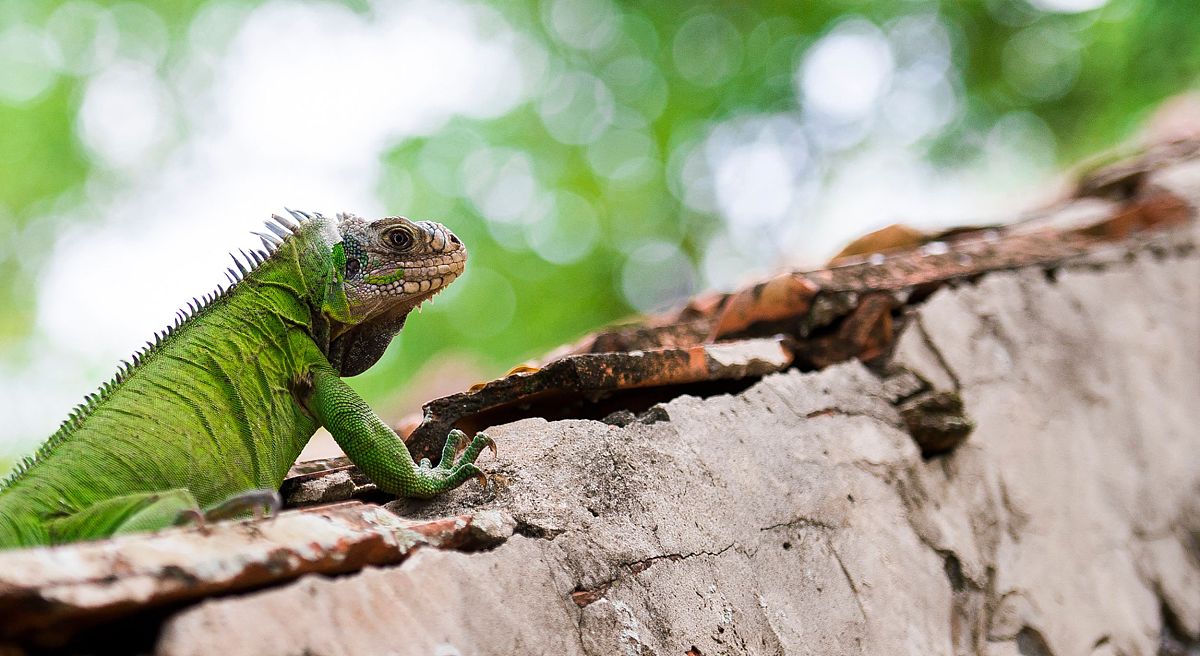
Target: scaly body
pixel 220 406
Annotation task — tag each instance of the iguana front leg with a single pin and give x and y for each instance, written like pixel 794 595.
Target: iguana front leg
pixel 376 448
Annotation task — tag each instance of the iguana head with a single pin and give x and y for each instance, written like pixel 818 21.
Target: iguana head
pixel 385 268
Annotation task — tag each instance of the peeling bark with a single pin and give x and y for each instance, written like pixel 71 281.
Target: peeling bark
pixel 987 446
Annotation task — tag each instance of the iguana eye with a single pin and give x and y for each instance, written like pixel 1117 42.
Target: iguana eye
pixel 399 239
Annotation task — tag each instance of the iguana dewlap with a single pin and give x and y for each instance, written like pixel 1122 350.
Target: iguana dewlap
pixel 220 405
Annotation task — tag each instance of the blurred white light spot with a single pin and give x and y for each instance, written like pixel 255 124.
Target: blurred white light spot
pixel 124 115
pixel 215 25
pixel 39 391
pixel 441 159
pixel 1068 6
pixel 485 305
pixel 830 134
pixel 86 34
pixel 846 72
pixel 754 184
pixel 583 24
pixel 624 156
pixel 749 169
pixel 398 188
pixel 914 112
pixel 707 50
pixel 566 233
pixel 143 36
pixel 638 84
pixel 500 183
pixel 630 72
pixel 510 236
pixel 26 68
pixel 656 275
pixel 726 269
pixel 696 187
pixel 1041 62
pixel 403 70
pixel 920 41
pixel 1020 149
pixel 577 108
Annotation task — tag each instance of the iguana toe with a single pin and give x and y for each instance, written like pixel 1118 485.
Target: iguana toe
pixel 453 471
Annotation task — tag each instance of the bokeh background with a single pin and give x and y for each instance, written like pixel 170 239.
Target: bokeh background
pixel 600 158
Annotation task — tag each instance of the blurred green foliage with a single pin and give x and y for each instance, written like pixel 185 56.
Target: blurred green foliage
pixel 1124 58
pixel 630 92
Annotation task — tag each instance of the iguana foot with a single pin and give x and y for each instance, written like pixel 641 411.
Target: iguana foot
pixel 449 472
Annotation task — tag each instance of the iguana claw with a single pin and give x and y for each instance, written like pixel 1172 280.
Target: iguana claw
pixel 455 470
pixel 476 446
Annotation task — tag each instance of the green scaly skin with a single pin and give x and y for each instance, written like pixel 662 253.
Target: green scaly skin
pixel 218 408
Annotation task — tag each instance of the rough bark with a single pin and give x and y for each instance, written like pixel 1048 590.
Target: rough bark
pixel 799 516
pixel 1014 470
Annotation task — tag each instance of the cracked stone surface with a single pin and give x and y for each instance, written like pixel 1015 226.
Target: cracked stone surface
pixel 799 517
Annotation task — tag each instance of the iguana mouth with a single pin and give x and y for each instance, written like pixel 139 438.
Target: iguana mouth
pixel 416 302
pixel 429 282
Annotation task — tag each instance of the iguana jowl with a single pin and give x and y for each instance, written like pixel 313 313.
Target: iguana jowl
pixel 220 405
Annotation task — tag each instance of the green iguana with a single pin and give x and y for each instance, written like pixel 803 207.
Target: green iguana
pixel 211 415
